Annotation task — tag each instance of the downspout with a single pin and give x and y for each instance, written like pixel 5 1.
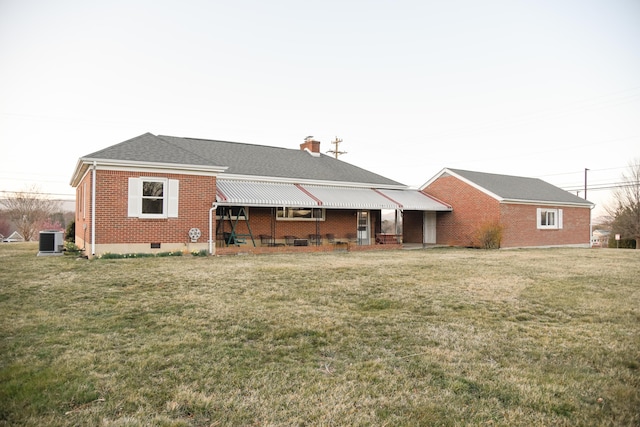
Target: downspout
pixel 591 224
pixel 93 209
pixel 213 208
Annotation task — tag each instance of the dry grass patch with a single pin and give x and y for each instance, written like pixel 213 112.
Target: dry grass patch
pixel 433 337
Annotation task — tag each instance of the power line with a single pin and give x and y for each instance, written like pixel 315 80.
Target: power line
pixel 38 193
pixel 602 186
pixel 582 171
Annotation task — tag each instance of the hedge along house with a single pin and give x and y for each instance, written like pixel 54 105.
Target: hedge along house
pixel 162 193
pixel 529 212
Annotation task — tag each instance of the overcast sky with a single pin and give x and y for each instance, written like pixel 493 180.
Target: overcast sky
pixel 530 88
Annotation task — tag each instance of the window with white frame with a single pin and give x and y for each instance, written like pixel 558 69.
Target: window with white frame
pixel 550 219
pixel 81 207
pixel 153 197
pixel 300 214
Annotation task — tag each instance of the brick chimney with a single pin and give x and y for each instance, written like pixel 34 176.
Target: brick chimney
pixel 310 144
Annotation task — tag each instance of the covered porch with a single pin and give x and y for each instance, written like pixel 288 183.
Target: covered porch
pixel 258 217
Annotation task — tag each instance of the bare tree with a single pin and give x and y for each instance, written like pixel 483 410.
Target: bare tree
pixel 626 208
pixel 28 209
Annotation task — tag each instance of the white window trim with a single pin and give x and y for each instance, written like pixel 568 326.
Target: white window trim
pixel 279 218
pixel 169 201
pixel 558 219
pixel 83 192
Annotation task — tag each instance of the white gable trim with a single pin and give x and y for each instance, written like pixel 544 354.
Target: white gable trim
pixel 547 203
pixel 83 165
pixel 463 179
pixel 502 199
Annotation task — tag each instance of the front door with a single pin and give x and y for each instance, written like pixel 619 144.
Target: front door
pixel 363 228
pixel 429 233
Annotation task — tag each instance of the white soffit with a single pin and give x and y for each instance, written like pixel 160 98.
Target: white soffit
pixel 415 200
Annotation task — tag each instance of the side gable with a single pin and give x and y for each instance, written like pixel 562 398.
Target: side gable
pixel 448 172
pixel 513 189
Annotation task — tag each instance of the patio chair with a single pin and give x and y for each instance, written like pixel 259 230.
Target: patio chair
pixel 288 240
pixel 315 239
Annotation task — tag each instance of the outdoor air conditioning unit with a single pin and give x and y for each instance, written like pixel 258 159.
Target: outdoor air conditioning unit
pixel 51 243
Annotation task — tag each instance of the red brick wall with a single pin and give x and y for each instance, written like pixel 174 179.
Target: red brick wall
pixel 520 226
pixel 472 209
pixel 83 212
pixel 196 195
pixel 338 222
pixel 113 226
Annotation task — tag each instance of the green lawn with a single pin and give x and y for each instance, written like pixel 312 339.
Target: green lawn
pixel 425 337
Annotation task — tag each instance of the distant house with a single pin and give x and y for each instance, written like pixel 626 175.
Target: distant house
pixel 600 238
pixel 14 237
pixel 531 212
pixel 163 193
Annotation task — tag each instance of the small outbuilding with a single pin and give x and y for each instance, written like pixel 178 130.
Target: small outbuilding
pixel 527 212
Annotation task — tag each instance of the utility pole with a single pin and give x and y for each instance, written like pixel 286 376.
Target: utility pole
pixel 336 152
pixel 585 183
pixel 585 197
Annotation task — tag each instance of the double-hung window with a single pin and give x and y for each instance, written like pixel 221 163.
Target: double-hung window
pixel 153 197
pixel 549 219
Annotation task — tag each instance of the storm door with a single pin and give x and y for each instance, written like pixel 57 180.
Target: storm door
pixel 363 228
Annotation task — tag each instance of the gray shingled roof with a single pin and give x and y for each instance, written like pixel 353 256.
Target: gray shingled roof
pixel 240 158
pixel 520 188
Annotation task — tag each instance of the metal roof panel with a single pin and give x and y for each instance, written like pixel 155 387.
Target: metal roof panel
pixel 350 197
pixel 414 200
pixel 252 193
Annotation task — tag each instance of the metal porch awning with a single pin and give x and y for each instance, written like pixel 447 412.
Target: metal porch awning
pixel 415 200
pixel 261 194
pixel 269 194
pixel 349 197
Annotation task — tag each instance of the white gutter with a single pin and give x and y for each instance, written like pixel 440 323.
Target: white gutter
pixel 93 209
pixel 213 208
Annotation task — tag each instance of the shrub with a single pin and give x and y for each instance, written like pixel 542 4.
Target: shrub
pixel 622 243
pixel 489 236
pixel 71 248
pixel 70 234
pixel 165 254
pixel 109 255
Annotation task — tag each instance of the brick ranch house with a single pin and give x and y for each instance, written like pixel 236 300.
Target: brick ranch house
pixel 163 193
pixel 531 212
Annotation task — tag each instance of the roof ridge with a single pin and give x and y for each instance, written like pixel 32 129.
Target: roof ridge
pixel 230 142
pixel 494 174
pixel 180 147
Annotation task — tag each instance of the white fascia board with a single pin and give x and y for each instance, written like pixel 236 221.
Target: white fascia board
pixel 154 166
pixel 463 179
pixel 78 173
pixel 433 178
pixel 547 203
